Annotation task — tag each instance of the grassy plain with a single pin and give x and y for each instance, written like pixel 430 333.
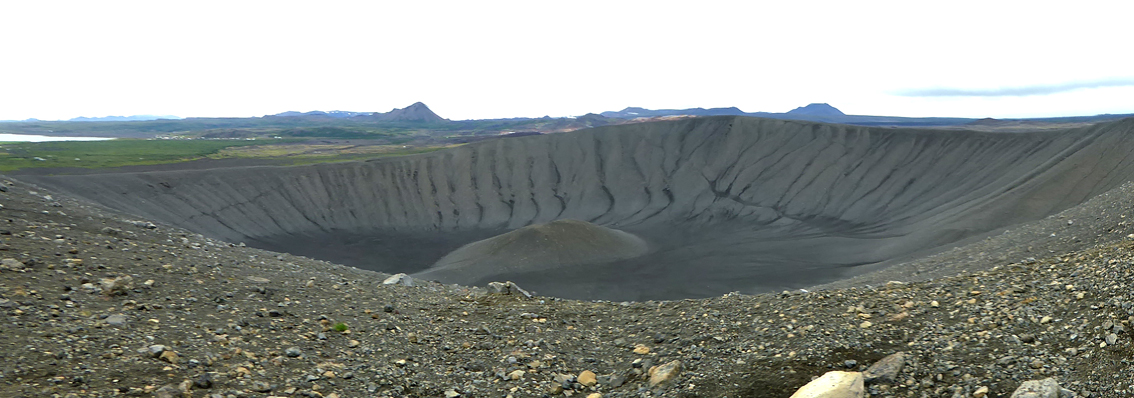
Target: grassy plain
pixel 139 152
pixel 111 153
pixel 267 140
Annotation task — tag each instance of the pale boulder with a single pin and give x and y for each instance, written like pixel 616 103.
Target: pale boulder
pixel 834 384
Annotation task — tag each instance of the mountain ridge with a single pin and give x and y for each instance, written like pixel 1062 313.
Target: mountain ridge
pixel 817 109
pixel 825 113
pixel 416 112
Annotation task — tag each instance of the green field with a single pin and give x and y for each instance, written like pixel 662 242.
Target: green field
pixel 281 140
pixel 137 152
pixel 112 153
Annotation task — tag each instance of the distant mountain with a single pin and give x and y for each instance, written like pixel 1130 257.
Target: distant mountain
pixel 635 112
pixel 331 114
pixel 417 112
pixel 817 110
pixel 134 118
pixel 814 113
pixel 287 114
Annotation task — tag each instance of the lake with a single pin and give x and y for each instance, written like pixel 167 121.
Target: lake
pixel 44 138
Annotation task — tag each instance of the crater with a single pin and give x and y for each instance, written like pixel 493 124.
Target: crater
pixel 723 204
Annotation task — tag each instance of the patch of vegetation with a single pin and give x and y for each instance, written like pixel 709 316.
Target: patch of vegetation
pixel 112 153
pixel 306 152
pixel 341 327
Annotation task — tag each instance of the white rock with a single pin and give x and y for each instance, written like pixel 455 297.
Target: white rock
pixel 399 279
pixel 1046 388
pixel 835 384
pixel 507 288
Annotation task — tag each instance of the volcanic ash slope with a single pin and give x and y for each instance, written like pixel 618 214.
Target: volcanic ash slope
pixel 557 244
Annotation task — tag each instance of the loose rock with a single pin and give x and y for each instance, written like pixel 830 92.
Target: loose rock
pixel 886 369
pixel 587 378
pixel 1046 388
pixel 117 286
pixel 170 356
pixel 116 320
pixel 663 373
pixel 11 263
pixel 980 392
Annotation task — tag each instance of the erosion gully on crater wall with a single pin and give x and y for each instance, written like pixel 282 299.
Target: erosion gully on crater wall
pixel 723 203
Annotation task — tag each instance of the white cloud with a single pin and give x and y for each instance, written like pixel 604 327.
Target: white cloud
pixel 1043 89
pixel 504 59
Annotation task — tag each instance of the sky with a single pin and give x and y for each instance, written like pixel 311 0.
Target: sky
pixel 494 59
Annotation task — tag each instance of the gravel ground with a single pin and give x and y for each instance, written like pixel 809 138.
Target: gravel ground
pixel 99 304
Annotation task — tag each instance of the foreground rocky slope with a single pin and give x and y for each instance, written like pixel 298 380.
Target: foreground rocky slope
pixel 725 203
pixel 98 304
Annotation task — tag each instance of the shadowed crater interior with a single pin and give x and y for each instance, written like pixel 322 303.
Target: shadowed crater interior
pixel 665 210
